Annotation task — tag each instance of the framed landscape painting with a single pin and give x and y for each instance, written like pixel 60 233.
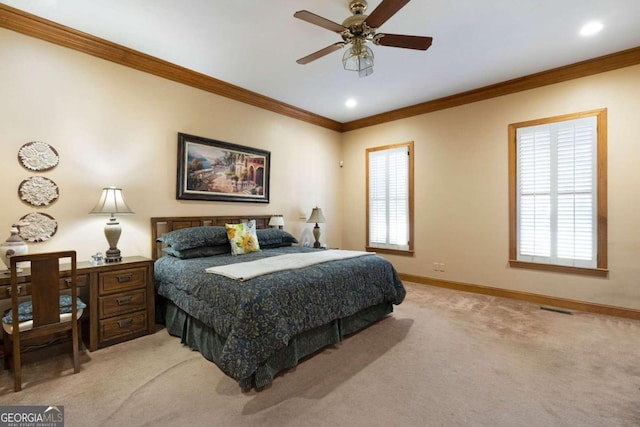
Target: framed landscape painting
pixel 216 170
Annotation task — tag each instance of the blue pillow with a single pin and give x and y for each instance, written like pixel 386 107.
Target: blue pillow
pixel 274 238
pixel 195 237
pixel 202 251
pixel 25 310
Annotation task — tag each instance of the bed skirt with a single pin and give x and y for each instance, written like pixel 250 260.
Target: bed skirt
pixel 204 339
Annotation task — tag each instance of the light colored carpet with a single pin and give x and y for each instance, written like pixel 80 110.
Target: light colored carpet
pixel 444 358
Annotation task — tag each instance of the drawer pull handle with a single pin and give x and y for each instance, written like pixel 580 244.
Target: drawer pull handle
pixel 79 282
pixel 19 290
pixel 124 300
pixel 125 323
pixel 67 282
pixel 124 277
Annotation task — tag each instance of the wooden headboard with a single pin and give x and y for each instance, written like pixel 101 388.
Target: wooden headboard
pixel 163 225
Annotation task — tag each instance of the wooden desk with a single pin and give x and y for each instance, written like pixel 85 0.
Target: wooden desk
pixel 119 298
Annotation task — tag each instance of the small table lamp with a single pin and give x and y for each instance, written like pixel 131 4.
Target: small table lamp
pixel 317 217
pixel 111 202
pixel 276 222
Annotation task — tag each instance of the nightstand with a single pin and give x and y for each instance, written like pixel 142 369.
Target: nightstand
pixel 120 300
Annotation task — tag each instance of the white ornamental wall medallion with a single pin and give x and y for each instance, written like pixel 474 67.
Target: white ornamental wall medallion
pixel 37 227
pixel 38 191
pixel 38 156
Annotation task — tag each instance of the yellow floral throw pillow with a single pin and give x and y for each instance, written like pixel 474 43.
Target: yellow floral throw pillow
pixel 243 237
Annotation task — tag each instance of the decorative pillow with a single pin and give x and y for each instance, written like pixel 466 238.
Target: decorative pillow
pixel 25 310
pixel 195 237
pixel 242 237
pixel 274 238
pixel 202 251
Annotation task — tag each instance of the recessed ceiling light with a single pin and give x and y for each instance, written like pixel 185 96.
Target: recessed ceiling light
pixel 350 103
pixel 591 28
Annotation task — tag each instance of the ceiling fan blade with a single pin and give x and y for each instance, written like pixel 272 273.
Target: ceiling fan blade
pixel 322 52
pixel 384 11
pixel 312 18
pixel 407 42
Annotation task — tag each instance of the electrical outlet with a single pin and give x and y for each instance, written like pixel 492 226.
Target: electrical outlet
pixel 442 266
pixel 436 266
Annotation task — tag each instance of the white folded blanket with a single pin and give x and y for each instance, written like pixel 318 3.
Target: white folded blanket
pixel 251 269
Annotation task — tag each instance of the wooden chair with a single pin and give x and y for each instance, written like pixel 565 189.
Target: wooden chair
pixel 49 317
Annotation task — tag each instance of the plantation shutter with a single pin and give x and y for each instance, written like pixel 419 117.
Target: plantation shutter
pixel 389 198
pixel 557 194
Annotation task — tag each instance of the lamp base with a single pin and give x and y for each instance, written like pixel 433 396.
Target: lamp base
pixel 113 255
pixel 112 232
pixel 316 234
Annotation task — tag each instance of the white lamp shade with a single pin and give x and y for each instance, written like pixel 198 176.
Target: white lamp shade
pixel 316 216
pixel 276 221
pixel 111 202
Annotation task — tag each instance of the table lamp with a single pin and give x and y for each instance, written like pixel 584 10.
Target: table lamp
pixel 317 217
pixel 111 203
pixel 276 222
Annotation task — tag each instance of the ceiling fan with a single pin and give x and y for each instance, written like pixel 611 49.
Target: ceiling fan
pixel 358 30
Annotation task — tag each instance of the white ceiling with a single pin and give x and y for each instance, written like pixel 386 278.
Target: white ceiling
pixel 254 44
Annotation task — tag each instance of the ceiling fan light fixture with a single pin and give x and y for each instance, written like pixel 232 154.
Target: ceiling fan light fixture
pixel 358 58
pixel 357 30
pixel 365 72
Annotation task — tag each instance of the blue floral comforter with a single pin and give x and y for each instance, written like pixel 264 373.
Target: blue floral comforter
pixel 259 316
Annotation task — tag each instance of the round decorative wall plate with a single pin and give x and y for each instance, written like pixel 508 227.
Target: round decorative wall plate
pixel 38 156
pixel 37 227
pixel 38 191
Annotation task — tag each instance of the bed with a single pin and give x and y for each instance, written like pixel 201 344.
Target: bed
pixel 254 328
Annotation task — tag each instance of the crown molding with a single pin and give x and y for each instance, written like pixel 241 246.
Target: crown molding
pixel 577 70
pixel 34 26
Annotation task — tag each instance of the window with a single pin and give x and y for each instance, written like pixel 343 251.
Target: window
pixel 558 194
pixel 390 198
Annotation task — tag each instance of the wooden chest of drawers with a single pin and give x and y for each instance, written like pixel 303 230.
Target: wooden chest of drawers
pixel 121 303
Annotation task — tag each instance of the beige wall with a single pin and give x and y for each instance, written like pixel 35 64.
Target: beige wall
pixel 116 126
pixel 113 125
pixel 461 200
